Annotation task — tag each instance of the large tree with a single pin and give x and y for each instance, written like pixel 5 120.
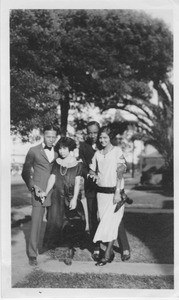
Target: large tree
pixel 103 56
pixel 159 132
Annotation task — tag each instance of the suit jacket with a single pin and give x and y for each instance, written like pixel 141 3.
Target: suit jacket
pixel 36 171
pixel 86 153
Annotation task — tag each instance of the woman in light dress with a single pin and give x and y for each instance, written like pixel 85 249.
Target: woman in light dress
pixel 107 168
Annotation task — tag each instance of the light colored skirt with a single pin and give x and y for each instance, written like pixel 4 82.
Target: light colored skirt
pixel 107 230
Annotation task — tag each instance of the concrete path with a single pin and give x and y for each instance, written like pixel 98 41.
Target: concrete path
pixel 19 263
pixel 138 269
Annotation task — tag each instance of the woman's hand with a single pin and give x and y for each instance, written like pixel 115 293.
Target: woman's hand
pixel 117 197
pixel 73 203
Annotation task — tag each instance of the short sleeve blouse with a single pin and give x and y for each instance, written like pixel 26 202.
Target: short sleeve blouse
pixel 106 166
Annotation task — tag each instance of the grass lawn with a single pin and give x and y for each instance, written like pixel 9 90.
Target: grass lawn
pixel 39 279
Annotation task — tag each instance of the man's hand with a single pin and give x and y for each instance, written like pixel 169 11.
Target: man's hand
pixel 40 195
pixel 37 190
pixel 94 177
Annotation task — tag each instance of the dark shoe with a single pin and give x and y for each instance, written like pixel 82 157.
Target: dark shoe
pixel 96 255
pixel 125 257
pixel 68 261
pixel 104 260
pixel 32 261
pixel 69 257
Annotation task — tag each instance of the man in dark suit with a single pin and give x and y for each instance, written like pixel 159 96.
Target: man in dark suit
pixel 86 152
pixel 36 171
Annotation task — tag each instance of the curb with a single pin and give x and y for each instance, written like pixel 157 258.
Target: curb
pixel 132 269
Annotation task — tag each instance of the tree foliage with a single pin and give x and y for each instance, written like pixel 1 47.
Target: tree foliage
pixel 107 57
pixel 101 56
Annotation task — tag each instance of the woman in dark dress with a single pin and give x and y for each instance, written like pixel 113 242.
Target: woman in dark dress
pixel 66 218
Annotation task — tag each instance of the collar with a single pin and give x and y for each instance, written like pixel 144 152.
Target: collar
pixel 43 145
pixel 70 164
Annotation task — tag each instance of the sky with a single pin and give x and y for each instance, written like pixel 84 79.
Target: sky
pixel 165 14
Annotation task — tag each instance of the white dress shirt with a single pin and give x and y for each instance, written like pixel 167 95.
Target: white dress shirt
pixel 50 153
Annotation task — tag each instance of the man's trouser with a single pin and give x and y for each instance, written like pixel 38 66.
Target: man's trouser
pixel 36 224
pixel 92 211
pixel 122 237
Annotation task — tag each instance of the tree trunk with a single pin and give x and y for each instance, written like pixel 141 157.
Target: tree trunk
pixel 65 105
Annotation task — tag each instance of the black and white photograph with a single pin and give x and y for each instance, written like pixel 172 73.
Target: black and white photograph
pixel 87 135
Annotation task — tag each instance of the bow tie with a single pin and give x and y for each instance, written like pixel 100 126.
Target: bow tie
pixel 46 147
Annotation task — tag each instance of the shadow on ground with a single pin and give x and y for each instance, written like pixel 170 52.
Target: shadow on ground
pixel 154 232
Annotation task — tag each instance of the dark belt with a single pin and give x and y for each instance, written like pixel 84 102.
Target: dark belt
pixel 106 190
